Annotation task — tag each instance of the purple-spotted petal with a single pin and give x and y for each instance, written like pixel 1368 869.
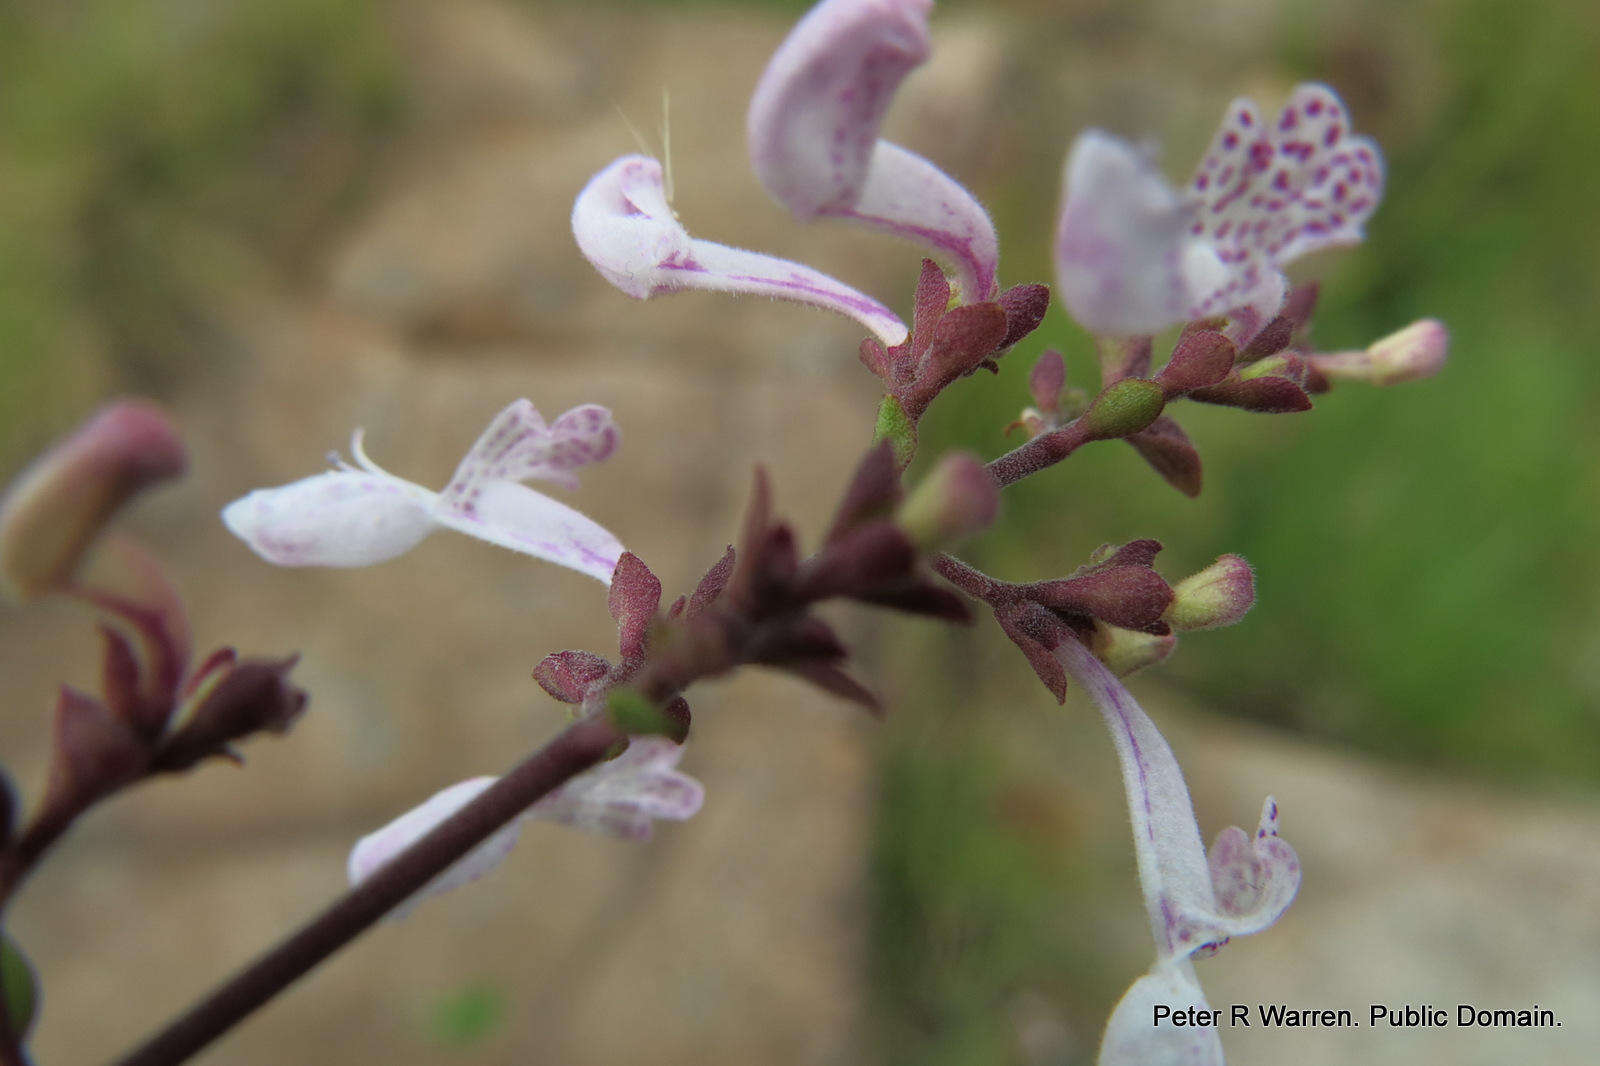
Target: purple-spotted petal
pixel 627 230
pixel 624 796
pixel 909 197
pixel 1192 902
pixel 1133 255
pixel 814 117
pixel 1134 1038
pixel 1254 877
pixel 516 517
pixel 340 518
pixel 1279 190
pixel 377 848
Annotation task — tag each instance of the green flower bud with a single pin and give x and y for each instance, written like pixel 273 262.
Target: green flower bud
pixel 1219 595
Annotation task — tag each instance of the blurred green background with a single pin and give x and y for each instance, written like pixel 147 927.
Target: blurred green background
pixel 1429 590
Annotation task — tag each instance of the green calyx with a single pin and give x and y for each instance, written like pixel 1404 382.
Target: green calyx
pixel 1273 364
pixel 637 716
pixel 1125 408
pixel 896 427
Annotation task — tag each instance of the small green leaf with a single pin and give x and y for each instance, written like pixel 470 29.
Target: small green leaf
pixel 468 1016
pixel 18 985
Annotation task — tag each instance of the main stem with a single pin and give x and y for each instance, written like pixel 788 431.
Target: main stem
pixel 579 747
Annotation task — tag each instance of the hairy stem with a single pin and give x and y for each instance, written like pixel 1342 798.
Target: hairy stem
pixel 972 581
pixel 579 747
pixel 1040 453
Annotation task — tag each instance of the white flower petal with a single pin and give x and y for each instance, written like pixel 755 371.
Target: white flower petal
pixel 1121 251
pixel 340 518
pixel 624 796
pixel 1134 1038
pixel 814 117
pixel 516 517
pixel 626 229
pixel 813 136
pixel 909 197
pixel 377 848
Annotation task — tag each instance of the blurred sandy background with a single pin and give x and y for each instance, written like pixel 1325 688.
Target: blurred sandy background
pixel 288 219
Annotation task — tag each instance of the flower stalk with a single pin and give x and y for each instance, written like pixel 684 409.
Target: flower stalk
pixel 576 749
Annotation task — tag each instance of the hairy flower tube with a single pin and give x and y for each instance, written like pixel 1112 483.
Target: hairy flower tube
pixel 1134 255
pixel 1195 901
pixel 621 797
pixel 360 515
pixel 813 128
pixel 627 230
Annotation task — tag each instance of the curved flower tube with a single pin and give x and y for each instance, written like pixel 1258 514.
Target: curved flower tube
pixel 621 798
pixel 627 230
pixel 1195 901
pixel 1134 255
pixel 360 515
pixel 813 128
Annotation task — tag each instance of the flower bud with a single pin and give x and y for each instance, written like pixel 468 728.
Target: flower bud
pixel 1219 595
pixel 57 508
pixel 1046 380
pixel 1413 353
pixel 958 499
pixel 1127 650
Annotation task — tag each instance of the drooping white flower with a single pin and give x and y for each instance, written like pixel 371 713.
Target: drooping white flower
pixel 1134 255
pixel 1195 901
pixel 360 515
pixel 621 798
pixel 812 131
pixel 627 230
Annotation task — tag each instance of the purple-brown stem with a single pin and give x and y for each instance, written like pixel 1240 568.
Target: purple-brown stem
pixel 575 750
pixel 1040 453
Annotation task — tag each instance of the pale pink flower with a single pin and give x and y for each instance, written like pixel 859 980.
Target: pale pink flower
pixel 1195 902
pixel 627 230
pixel 360 515
pixel 620 798
pixel 813 128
